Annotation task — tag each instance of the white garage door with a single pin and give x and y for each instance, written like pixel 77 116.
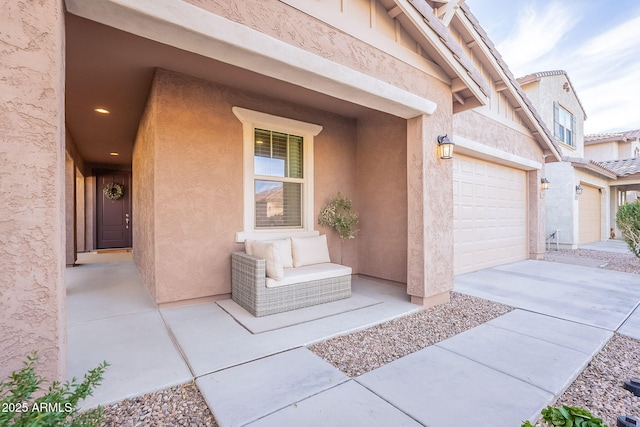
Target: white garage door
pixel 489 214
pixel 589 215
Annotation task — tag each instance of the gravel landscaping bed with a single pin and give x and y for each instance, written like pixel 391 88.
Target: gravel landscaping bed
pixel 599 388
pixel 182 405
pixel 363 351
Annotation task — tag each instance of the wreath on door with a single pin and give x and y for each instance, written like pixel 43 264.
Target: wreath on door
pixel 113 191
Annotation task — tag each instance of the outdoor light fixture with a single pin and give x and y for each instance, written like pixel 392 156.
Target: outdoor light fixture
pixel 544 182
pixel 445 147
pixel 578 189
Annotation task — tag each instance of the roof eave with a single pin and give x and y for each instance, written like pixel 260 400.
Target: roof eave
pixel 437 34
pixel 592 167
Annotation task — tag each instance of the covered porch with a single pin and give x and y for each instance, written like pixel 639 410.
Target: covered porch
pixel 112 317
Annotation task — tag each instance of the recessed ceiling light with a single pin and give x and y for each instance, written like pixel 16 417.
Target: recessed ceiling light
pixel 102 111
pixel 114 153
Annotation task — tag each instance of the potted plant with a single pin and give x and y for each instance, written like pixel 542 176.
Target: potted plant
pixel 337 214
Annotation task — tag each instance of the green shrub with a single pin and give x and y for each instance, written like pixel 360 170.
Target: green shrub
pixel 628 221
pixel 58 407
pixel 568 416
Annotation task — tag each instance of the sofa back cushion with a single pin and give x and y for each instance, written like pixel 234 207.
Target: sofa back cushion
pixel 309 250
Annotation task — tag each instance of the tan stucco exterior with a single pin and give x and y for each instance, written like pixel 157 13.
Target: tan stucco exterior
pixel 381 93
pixel 188 162
pixel 32 182
pixel 557 88
pixel 382 196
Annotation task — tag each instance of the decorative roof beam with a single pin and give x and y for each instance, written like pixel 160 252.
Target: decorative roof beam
pixel 422 16
pixel 446 12
pixel 457 85
pixel 394 11
pixel 500 85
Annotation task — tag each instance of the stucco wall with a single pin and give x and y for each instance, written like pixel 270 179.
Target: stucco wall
pixel 70 209
pixel 143 200
pixel 543 94
pixel 32 256
pixel 491 133
pixel 561 203
pixel 196 178
pixel 382 195
pixel 429 206
pixel 335 166
pixel 604 151
pixel 297 28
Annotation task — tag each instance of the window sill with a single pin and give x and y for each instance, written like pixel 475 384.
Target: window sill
pixel 241 236
pixel 571 147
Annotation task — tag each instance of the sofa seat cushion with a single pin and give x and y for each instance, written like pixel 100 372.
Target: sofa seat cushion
pixel 308 273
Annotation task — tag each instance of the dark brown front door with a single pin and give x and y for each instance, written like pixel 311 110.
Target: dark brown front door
pixel 113 210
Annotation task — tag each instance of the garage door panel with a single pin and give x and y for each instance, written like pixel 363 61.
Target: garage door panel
pixel 490 222
pixel 589 215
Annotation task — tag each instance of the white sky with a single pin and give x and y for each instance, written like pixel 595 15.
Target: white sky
pixel 596 42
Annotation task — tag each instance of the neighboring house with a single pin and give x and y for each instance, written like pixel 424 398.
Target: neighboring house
pixel 588 185
pixel 612 146
pixel 620 153
pixel 228 120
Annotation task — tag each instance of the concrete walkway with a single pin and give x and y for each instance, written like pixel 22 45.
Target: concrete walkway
pixel 615 245
pixel 497 374
pixel 112 317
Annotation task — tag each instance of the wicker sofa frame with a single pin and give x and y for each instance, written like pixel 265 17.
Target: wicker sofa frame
pixel 248 288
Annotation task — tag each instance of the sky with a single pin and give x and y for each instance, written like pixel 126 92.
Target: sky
pixel 596 42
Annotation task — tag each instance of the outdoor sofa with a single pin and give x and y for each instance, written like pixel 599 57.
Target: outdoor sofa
pixel 281 275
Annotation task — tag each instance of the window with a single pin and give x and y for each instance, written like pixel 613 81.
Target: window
pixel 622 197
pixel 636 152
pixel 564 124
pixel 278 175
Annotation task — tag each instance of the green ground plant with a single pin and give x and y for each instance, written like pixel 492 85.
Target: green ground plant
pixel 57 406
pixel 628 221
pixel 567 416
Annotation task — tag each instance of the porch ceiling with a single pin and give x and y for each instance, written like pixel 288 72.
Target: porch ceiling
pixel 112 69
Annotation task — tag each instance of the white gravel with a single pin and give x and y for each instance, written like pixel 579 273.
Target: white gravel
pixel 363 351
pixel 182 405
pixel 598 389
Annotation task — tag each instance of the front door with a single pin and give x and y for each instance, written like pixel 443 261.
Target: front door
pixel 113 210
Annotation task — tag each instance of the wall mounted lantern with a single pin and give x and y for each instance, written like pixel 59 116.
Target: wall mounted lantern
pixel 544 183
pixel 445 147
pixel 578 190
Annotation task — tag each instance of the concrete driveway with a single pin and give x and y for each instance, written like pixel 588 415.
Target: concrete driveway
pixel 591 296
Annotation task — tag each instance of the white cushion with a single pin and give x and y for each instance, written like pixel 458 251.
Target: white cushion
pixel 309 250
pixel 270 252
pixel 248 246
pixel 309 273
pixel 285 250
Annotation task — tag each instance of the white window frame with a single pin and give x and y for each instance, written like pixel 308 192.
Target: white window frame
pixel 250 121
pixel 558 110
